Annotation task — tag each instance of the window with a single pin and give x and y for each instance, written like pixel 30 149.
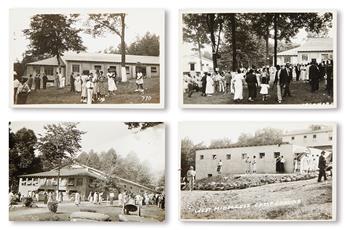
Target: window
pixel 112 68
pixel 79 181
pixel 292 138
pixel 23 181
pixel 29 181
pixel 330 138
pixel 98 67
pixel 305 57
pixel 71 181
pixel 214 157
pixel 131 187
pixel 127 70
pixel 228 156
pixel 209 175
pixel 201 157
pixel 35 181
pixel 37 69
pixel 262 155
pixel 76 68
pixel 287 59
pixel 192 66
pixel 244 156
pixel 49 70
pixel 125 186
pixel 276 154
pixel 153 69
pixel 305 137
pixel 314 136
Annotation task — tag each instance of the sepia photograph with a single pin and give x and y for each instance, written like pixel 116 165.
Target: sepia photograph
pixel 258 59
pixel 110 58
pixel 258 171
pixel 87 171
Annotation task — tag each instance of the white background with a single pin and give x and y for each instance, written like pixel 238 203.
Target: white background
pixel 172 114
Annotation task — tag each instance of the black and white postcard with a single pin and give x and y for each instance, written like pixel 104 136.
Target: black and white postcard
pixel 258 171
pixel 109 58
pixel 87 171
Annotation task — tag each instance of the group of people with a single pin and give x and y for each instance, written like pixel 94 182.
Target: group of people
pixel 141 199
pixel 258 80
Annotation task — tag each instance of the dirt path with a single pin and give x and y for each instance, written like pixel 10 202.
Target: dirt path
pixel 302 200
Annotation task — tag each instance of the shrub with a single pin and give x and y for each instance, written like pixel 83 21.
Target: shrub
pixel 52 206
pixel 28 201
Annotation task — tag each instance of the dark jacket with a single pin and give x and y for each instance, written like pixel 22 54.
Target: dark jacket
pixel 322 162
pixel 251 79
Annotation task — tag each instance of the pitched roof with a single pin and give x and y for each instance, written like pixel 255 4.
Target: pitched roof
pixel 317 44
pixel 311 45
pixel 46 62
pixel 99 57
pixel 78 169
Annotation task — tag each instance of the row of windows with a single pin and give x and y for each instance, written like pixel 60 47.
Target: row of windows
pixel 52 181
pixel 314 137
pixel 243 156
pixel 76 68
pixel 48 70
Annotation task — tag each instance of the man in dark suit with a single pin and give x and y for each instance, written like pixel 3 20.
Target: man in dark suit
pixel 285 80
pixel 314 76
pixel 322 167
pixel 252 85
pixel 298 71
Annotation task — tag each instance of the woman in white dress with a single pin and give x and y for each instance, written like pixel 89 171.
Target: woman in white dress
pixel 84 79
pixel 77 83
pixel 111 83
pixel 209 85
pixel 62 81
pixel 237 86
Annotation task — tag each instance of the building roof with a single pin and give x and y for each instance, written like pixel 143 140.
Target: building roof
pixel 77 169
pixel 308 131
pixel 47 62
pixel 290 52
pixel 243 146
pixel 98 57
pixel 311 45
pixel 317 44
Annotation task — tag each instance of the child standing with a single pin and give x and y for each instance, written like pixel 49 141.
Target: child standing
pixel 140 82
pixel 264 88
pixel 89 86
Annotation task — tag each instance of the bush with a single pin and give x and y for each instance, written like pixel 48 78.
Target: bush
pixel 28 201
pixel 52 206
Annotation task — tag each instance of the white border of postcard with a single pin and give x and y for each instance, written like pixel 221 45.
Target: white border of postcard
pixel 253 106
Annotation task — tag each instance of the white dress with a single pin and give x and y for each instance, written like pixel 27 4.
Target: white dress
pixel 264 89
pixel 111 83
pixel 77 84
pixel 237 86
pixel 209 85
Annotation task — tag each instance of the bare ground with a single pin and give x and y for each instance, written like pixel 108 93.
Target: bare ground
pixel 305 200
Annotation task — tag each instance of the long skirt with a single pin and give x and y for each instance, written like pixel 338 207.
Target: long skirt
pixel 279 92
pixel 111 85
pixel 89 96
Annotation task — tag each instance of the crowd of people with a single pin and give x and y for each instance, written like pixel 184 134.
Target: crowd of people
pixel 260 80
pixel 93 86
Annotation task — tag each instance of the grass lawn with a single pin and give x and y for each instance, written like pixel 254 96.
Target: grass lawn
pixel 300 92
pixel 150 212
pixel 315 202
pixel 124 95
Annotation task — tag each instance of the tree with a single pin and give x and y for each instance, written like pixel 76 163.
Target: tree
pixel 219 143
pixel 147 45
pixel 53 34
pixel 194 32
pixel 141 125
pixel 188 149
pixel 115 23
pixel 265 136
pixel 108 160
pixel 60 142
pixel 22 158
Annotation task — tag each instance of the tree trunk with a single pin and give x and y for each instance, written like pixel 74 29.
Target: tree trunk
pixel 276 15
pixel 267 46
pixel 233 41
pixel 58 61
pixel 210 23
pixel 200 58
pixel 123 50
